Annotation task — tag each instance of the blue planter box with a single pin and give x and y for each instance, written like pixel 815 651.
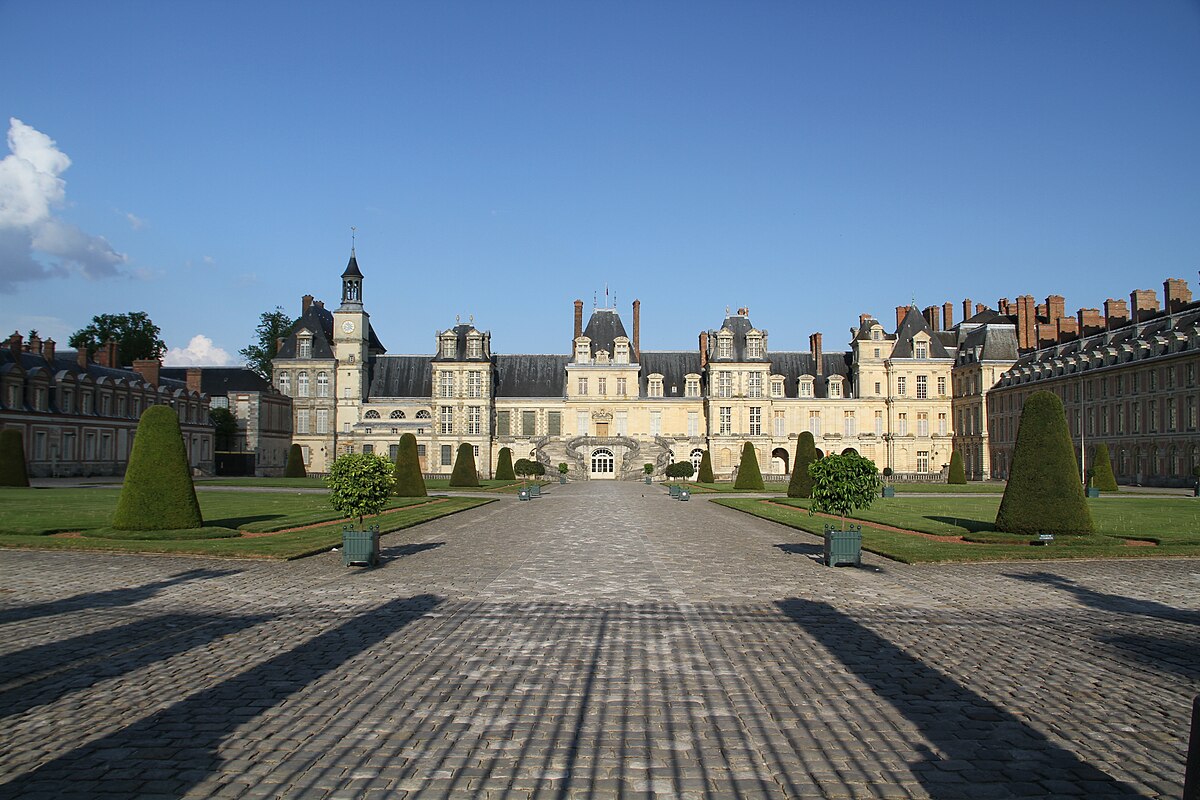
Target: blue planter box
pixel 843 547
pixel 889 491
pixel 535 490
pixel 647 480
pixel 360 547
pixel 684 494
pixel 523 494
pixel 673 490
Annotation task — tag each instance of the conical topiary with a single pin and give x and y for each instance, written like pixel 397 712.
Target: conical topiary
pixel 1102 475
pixel 158 493
pixel 749 476
pixel 409 480
pixel 464 473
pixel 504 465
pixel 706 474
pixel 295 463
pixel 1044 494
pixel 801 484
pixel 12 458
pixel 957 475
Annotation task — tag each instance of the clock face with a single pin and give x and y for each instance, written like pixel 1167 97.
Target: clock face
pixel 348 326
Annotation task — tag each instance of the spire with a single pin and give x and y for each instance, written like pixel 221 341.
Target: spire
pixel 352 280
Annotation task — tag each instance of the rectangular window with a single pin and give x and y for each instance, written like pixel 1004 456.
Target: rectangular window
pixel 302 420
pixel 776 388
pixel 582 387
pixel 503 427
pixel 878 388
pixel 655 423
pixel 941 424
pixel 322 420
pixel 922 350
pixel 622 389
pixel 693 387
pixel 1191 413
pixel 305 349
pixel 780 424
pixel 602 386
pixel 756 420
pixel 941 384
pixel 446 418
pixel 814 423
pixel 879 423
pixel 902 424
pixel 474 420
pixel 420 451
pixel 475 383
pixel 693 429
pixel 554 423
pixel 849 423
pixel 755 384
pixel 724 384
pixel 368 448
pixel 393 452
pixel 835 388
pixel 528 423
pixel 725 347
pixel 901 385
pixel 922 387
pixel 447 455
pixel 922 461
pixel 806 388
pixel 922 423
pixel 446 384
pixel 654 387
pixel 622 423
pixel 725 420
pixel 581 423
pixel 474 347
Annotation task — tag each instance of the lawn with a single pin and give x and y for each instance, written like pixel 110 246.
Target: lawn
pixel 239 524
pixel 432 485
pixel 977 487
pixel 1172 525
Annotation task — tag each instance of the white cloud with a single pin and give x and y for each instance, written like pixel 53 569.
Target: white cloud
pixel 200 352
pixel 30 189
pixel 135 222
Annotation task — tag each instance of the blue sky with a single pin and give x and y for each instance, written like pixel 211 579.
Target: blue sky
pixel 811 161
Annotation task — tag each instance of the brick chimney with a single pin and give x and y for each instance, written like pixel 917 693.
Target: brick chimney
pixel 862 320
pixel 1067 328
pixel 814 344
pixel 15 344
pixel 931 317
pixel 637 330
pixel 1090 321
pixel 966 309
pixel 980 308
pixel 1175 294
pixel 947 316
pixel 578 323
pixel 35 344
pixel 1143 304
pixel 1041 311
pixel 193 380
pixel 305 304
pixel 48 352
pixel 1004 307
pixel 1047 334
pixel 901 311
pixel 1026 319
pixel 1056 308
pixel 703 349
pixel 1116 313
pixel 81 357
pixel 148 368
pixel 106 356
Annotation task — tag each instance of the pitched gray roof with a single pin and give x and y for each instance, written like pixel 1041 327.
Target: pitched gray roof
pixel 792 365
pixel 913 324
pixel 989 343
pixel 460 354
pixel 319 321
pixel 530 375
pixel 673 366
pixel 217 381
pixel 740 325
pixel 603 329
pixel 401 376
pixel 66 361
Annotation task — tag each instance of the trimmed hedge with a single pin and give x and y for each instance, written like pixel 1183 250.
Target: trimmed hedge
pixel 409 480
pixel 295 463
pixel 464 473
pixel 801 484
pixel 504 465
pixel 1102 473
pixel 1044 494
pixel 12 458
pixel 749 475
pixel 158 493
pixel 957 475
pixel 706 473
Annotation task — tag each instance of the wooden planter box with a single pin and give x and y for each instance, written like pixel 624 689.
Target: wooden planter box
pixel 843 547
pixel 360 547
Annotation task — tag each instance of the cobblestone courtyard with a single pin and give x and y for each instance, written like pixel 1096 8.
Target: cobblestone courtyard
pixel 599 641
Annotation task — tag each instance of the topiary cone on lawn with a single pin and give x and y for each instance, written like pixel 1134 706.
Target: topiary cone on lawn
pixel 464 473
pixel 957 475
pixel 749 476
pixel 1102 473
pixel 1044 494
pixel 295 463
pixel 706 474
pixel 801 484
pixel 158 493
pixel 409 480
pixel 12 458
pixel 504 465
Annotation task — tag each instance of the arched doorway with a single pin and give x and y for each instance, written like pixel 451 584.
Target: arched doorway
pixel 779 461
pixel 603 464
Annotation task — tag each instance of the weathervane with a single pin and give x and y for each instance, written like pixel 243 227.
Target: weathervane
pixel 353 231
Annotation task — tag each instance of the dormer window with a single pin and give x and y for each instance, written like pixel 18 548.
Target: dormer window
pixel 602 357
pixel 806 387
pixel 776 387
pixel 583 351
pixel 725 345
pixel 475 347
pixel 654 386
pixel 921 349
pixel 876 334
pixel 754 346
pixel 304 345
pixel 693 386
pixel 448 346
pixel 621 352
pixel 835 387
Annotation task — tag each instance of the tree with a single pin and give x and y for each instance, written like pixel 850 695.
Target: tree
pixel 135 334
pixel 272 326
pixel 158 493
pixel 706 473
pixel 681 469
pixel 843 484
pixel 801 484
pixel 225 428
pixel 1043 494
pixel 360 484
pixel 749 476
pixel 1102 476
pixel 648 469
pixel 504 465
pixel 409 480
pixel 12 458
pixel 957 475
pixel 464 473
pixel 295 463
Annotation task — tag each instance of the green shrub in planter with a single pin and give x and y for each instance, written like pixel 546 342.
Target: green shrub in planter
pixel 842 484
pixel 749 476
pixel 464 473
pixel 1043 494
pixel 12 459
pixel 1102 472
pixel 504 465
pixel 706 473
pixel 957 475
pixel 360 484
pixel 158 493
pixel 801 484
pixel 295 463
pixel 409 482
pixel 680 469
pixel 648 469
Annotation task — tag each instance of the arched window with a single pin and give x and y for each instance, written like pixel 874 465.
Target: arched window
pixel 603 461
pixel 423 414
pixel 696 457
pixel 372 414
pixel 322 384
pixel 285 383
pixel 302 384
pixel 397 414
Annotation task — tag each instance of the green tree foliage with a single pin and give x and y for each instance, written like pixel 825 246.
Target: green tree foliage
pixel 749 476
pixel 464 473
pixel 225 428
pixel 12 459
pixel 259 354
pixel 523 468
pixel 563 469
pixel 158 493
pixel 706 473
pixel 295 463
pixel 135 334
pixel 842 484
pixel 1102 476
pixel 504 465
pixel 801 484
pixel 1043 494
pixel 409 480
pixel 539 469
pixel 648 469
pixel 360 484
pixel 957 475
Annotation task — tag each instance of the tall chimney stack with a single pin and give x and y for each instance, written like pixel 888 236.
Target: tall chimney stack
pixel 1143 303
pixel 901 312
pixel 578 324
pixel 966 309
pixel 148 368
pixel 1116 313
pixel 1026 322
pixel 703 349
pixel 35 344
pixel 814 344
pixel 947 316
pixel 1175 294
pixel 48 352
pixel 305 304
pixel 637 330
pixel 194 377
pixel 1090 322
pixel 1056 308
pixel 15 343
pixel 931 317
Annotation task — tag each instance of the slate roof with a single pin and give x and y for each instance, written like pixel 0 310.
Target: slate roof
pixel 673 366
pixel 217 381
pixel 792 365
pixel 603 329
pixel 739 325
pixel 989 343
pixel 913 324
pixel 401 376
pixel 319 321
pixel 352 270
pixel 530 375
pixel 66 361
pixel 460 347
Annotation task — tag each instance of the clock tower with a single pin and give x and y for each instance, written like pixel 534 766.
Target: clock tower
pixel 351 337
